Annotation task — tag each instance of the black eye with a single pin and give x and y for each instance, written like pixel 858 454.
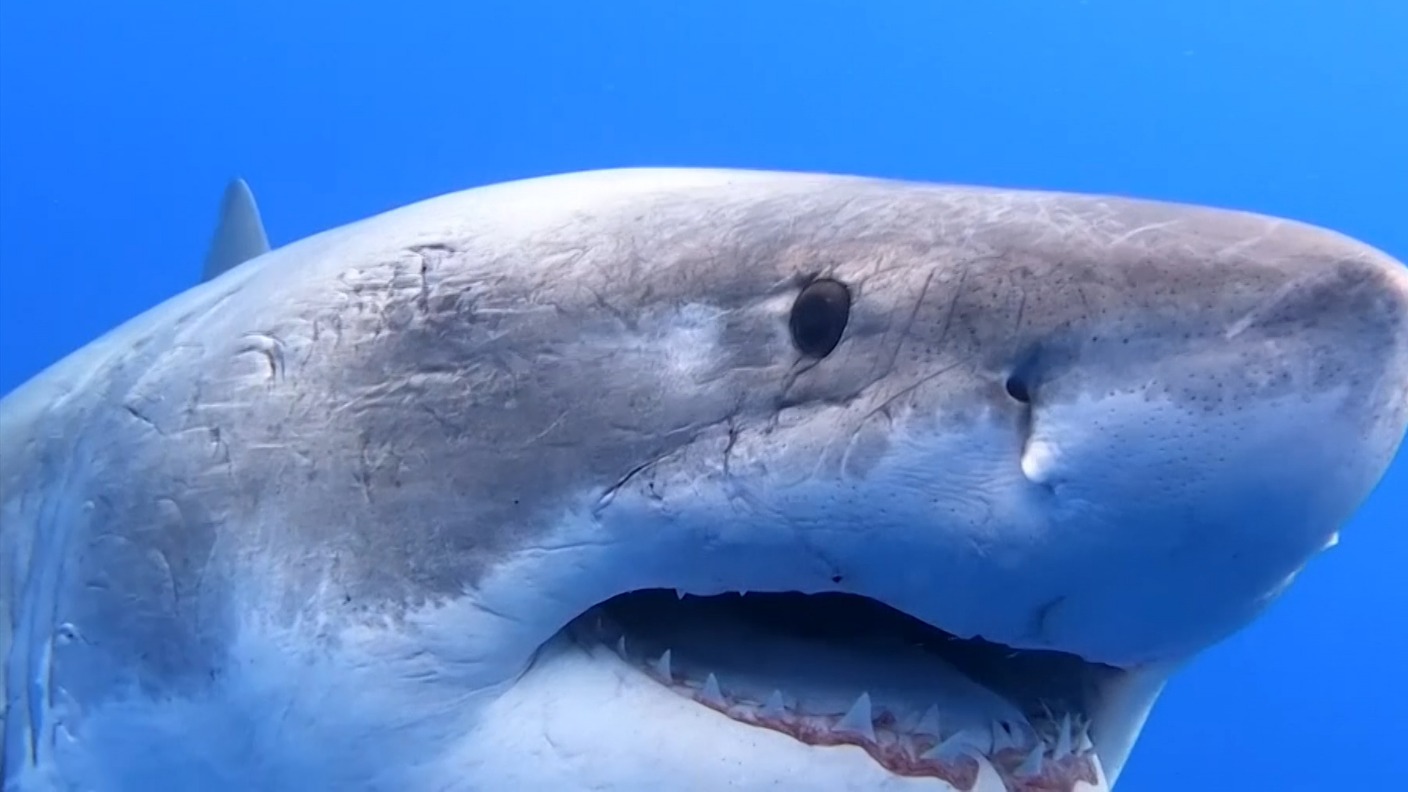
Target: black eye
pixel 819 317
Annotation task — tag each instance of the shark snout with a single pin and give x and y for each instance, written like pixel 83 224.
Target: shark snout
pixel 1227 449
pixel 1390 307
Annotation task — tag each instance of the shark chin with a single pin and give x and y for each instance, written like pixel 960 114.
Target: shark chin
pixel 685 480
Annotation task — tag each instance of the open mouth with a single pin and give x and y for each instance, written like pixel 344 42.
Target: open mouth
pixel 843 670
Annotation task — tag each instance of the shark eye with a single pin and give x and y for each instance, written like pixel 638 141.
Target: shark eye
pixel 819 317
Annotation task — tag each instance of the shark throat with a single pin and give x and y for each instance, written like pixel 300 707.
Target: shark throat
pixel 844 670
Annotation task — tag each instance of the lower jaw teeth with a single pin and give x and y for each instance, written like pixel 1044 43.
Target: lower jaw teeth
pixel 1006 755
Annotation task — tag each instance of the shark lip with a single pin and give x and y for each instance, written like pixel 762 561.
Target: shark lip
pixel 839 669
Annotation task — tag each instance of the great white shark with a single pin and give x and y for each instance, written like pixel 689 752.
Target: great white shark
pixel 682 479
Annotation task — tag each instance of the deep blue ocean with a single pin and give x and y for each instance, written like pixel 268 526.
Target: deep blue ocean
pixel 120 124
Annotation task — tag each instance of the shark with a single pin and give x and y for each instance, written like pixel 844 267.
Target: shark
pixel 682 479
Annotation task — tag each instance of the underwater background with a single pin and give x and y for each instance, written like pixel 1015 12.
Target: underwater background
pixel 120 123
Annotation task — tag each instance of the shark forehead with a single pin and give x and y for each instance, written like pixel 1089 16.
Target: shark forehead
pixel 1119 425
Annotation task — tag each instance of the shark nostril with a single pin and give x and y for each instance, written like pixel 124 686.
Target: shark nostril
pixel 1016 387
pixel 1024 375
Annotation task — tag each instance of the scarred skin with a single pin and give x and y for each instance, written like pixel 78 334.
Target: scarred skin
pixel 305 525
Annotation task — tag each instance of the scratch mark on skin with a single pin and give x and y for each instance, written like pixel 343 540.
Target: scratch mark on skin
pixel 882 407
pixel 610 493
pixel 365 469
pixel 136 413
pixel 219 449
pixel 1237 248
pixel 429 255
pixel 454 429
pixel 1125 237
pixel 625 319
pixel 732 441
pixel 693 432
pixel 499 613
pixel 801 366
pixel 909 325
pixel 530 442
pixel 953 307
pixel 271 348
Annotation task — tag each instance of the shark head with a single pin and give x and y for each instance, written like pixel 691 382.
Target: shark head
pixel 685 479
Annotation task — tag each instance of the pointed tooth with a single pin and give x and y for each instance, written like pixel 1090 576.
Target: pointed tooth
pixel 1063 740
pixel 1101 783
pixel 965 741
pixel 1001 737
pixel 1031 766
pixel 679 593
pixel 773 707
pixel 662 666
pixel 857 722
pixel 983 740
pixel 928 722
pixel 1022 733
pixel 711 693
pixel 1099 771
pixel 943 751
pixel 1046 710
pixel 1085 745
pixel 621 644
pixel 988 777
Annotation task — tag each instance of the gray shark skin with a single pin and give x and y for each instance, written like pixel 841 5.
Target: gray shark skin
pixel 466 496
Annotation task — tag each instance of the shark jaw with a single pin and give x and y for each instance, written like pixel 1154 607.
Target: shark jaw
pixel 836 672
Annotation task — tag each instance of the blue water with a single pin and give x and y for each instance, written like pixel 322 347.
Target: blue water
pixel 120 123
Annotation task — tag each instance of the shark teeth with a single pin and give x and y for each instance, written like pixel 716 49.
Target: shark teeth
pixel 711 693
pixel 857 722
pixel 962 742
pixel 773 707
pixel 662 666
pixel 1028 751
pixel 1083 742
pixel 1002 738
pixel 970 744
pixel 988 777
pixel 928 722
pixel 1063 740
pixel 1031 766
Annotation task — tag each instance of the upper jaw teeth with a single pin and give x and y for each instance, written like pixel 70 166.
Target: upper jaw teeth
pixel 681 593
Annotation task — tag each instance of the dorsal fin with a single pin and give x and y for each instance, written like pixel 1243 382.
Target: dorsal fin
pixel 239 236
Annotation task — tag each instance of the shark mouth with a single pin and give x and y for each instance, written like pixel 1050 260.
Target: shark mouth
pixel 839 669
